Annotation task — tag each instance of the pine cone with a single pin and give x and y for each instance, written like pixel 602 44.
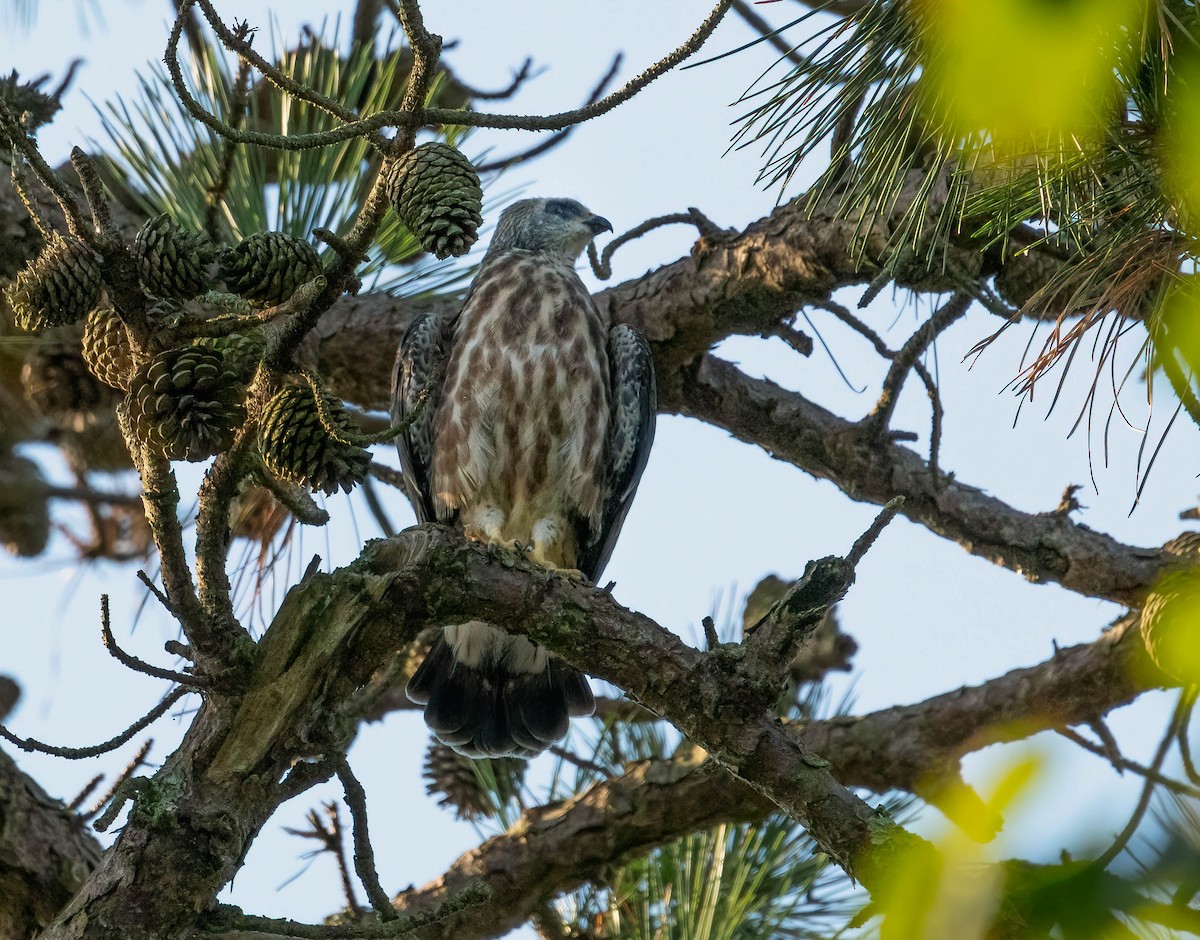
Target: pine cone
pixel 1170 624
pixel 24 513
pixel 58 383
pixel 106 348
pixel 268 267
pixel 452 777
pixel 435 191
pixel 186 403
pixel 171 261
pixel 242 351
pixel 57 287
pixel 297 446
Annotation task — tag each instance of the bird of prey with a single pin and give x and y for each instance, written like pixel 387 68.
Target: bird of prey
pixel 531 422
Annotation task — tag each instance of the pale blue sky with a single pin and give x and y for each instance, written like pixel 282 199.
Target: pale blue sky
pixel 712 514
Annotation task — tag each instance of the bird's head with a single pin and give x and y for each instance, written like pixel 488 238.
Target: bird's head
pixel 558 226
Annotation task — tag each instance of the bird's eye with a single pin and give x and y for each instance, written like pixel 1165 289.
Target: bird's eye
pixel 563 208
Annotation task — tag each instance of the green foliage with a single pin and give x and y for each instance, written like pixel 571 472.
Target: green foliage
pixel 931 147
pixel 174 164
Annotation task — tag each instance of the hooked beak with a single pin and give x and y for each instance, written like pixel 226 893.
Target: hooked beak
pixel 598 224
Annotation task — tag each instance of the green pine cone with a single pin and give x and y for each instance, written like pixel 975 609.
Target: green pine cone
pixel 297 446
pixel 435 191
pixel 186 403
pixel 58 383
pixel 268 267
pixel 453 779
pixel 24 513
pixel 57 287
pixel 106 348
pixel 171 261
pixel 242 351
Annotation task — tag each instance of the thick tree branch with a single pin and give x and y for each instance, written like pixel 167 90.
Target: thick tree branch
pixel 557 847
pixel 45 853
pixel 1044 547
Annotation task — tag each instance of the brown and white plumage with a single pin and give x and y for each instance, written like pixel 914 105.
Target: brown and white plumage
pixel 536 425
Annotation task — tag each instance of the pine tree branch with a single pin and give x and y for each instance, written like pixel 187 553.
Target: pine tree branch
pixel 1043 547
pixel 45 854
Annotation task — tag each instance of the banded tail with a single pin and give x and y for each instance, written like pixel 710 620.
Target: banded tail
pixel 488 694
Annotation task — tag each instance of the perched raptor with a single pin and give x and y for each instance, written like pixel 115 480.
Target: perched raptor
pixel 533 422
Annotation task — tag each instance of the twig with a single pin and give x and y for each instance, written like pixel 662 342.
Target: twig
pixel 294 498
pixel 77 753
pixel 1121 763
pixel 904 360
pixel 600 263
pixel 93 192
pixel 153 588
pixel 139 760
pixel 389 475
pixel 558 137
pixel 581 762
pixel 1187 699
pixel 409 115
pixel 553 122
pixel 864 542
pixel 18 184
pixel 303 777
pixel 88 789
pixel 330 836
pixel 520 77
pixel 711 640
pixel 769 33
pixel 23 144
pixel 238 40
pixel 127 789
pixel 137 665
pixel 375 505
pixel 937 413
pixel 364 854
pixel 798 340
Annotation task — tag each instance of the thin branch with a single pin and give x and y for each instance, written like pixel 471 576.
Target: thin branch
pixel 330 835
pixel 153 588
pixel 769 33
pixel 21 142
pixel 32 745
pixel 558 138
pixel 137 665
pixel 864 542
pixel 364 854
pixel 1186 700
pixel 525 73
pixel 238 40
pixel 93 192
pixel 1122 763
pixel 139 761
pixel 413 114
pixel 553 122
pixel 904 360
pixel 389 475
pixel 601 265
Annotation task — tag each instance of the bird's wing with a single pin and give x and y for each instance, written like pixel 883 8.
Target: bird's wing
pixel 417 381
pixel 630 434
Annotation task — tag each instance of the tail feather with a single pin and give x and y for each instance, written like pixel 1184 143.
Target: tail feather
pixel 488 709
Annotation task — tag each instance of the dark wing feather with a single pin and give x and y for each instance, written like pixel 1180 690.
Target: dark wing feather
pixel 630 434
pixel 420 372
